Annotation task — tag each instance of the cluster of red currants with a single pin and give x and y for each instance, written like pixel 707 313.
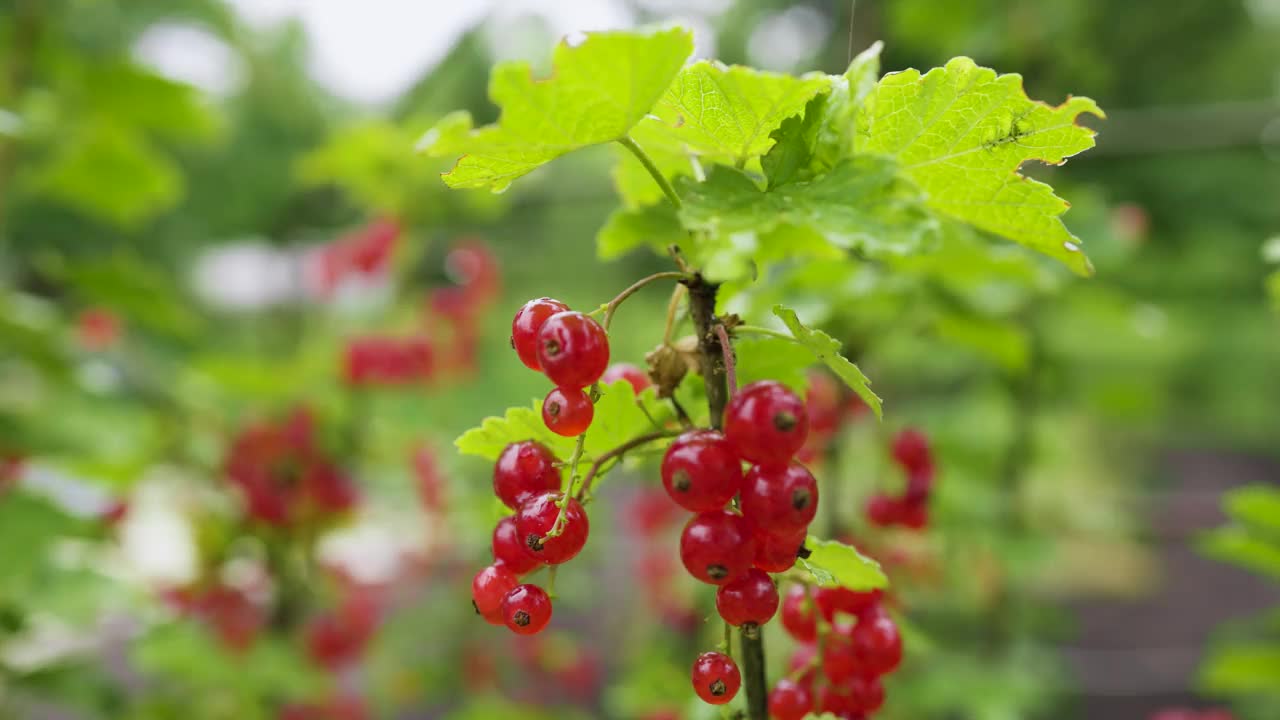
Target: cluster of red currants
pixel 852 638
pixel 285 474
pixel 387 360
pixel 527 479
pixel 765 424
pixel 572 350
pixel 911 508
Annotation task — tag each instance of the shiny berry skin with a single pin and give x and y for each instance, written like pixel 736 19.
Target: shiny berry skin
pixel 766 423
pixel 779 499
pixel 883 510
pixel 839 661
pixel 567 411
pixel 835 700
pixel 526 609
pixel 839 599
pixel 626 371
pixel 538 516
pixel 509 549
pixel 700 471
pixel 799 617
pixel 524 328
pixel 877 645
pixel 865 693
pixel 911 450
pixel 717 547
pixel 573 349
pixel 524 470
pixel 715 678
pixel 751 599
pixel 777 553
pixel 789 700
pixel 488 588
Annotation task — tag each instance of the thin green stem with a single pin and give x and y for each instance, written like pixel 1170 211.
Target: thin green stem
pixel 649 165
pixel 757 330
pixel 612 307
pixel 617 453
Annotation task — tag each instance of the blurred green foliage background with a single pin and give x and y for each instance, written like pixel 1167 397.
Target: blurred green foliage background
pixel 1070 415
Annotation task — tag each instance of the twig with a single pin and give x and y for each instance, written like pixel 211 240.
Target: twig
pixel 730 370
pixel 649 165
pixel 672 308
pixel 618 452
pixel 636 286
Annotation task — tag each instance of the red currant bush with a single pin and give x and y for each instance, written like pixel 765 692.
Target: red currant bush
pixel 537 518
pixel 799 617
pixel 877 643
pixel 750 600
pixel 526 609
pixel 567 411
pixel 700 471
pixel 766 423
pixel 524 470
pixel 716 678
pixel 488 588
pixel 779 499
pixel 524 328
pixel 717 547
pixel 573 349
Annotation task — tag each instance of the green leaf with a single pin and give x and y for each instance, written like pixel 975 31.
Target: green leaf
pixel 834 564
pixel 835 138
pixel 794 142
pixel 618 418
pixel 1255 505
pixel 1242 669
pixel 861 203
pixel 961 132
pixel 827 349
pixel 1003 343
pixel 769 358
pixel 598 90
pixel 728 113
pixel 654 226
pixel 1239 547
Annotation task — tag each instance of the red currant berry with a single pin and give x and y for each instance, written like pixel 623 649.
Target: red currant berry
pixel 919 485
pixel 488 588
pixel 798 614
pixel 717 547
pixel 911 449
pixel 716 678
pixel 766 423
pixel 526 609
pixel 822 403
pixel 876 643
pixel 779 499
pixel 789 700
pixel 915 515
pixel 527 323
pixel 804 660
pixel 839 599
pixel 626 371
pixel 777 553
pixel 835 701
pixel 839 661
pixel 573 349
pixel 509 549
pixel 538 516
pixel 567 411
pixel 883 511
pixel 700 471
pixel 751 599
pixel 524 470
pixel 865 693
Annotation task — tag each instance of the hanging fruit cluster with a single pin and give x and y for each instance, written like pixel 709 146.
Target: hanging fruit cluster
pixel 911 452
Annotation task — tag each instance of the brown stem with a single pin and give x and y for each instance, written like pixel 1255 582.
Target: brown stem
pixel 715 377
pixel 612 307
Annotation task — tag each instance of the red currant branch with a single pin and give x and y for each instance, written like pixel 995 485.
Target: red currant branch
pixel 612 307
pixel 617 453
pixel 730 369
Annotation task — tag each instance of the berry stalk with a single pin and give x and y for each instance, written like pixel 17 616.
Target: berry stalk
pixel 702 308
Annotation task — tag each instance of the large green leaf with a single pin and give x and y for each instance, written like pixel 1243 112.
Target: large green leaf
pixel 862 203
pixel 728 113
pixel 599 89
pixel 1255 505
pixel 827 349
pixel 1240 547
pixel 961 132
pixel 653 226
pixel 834 564
pixel 1243 669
